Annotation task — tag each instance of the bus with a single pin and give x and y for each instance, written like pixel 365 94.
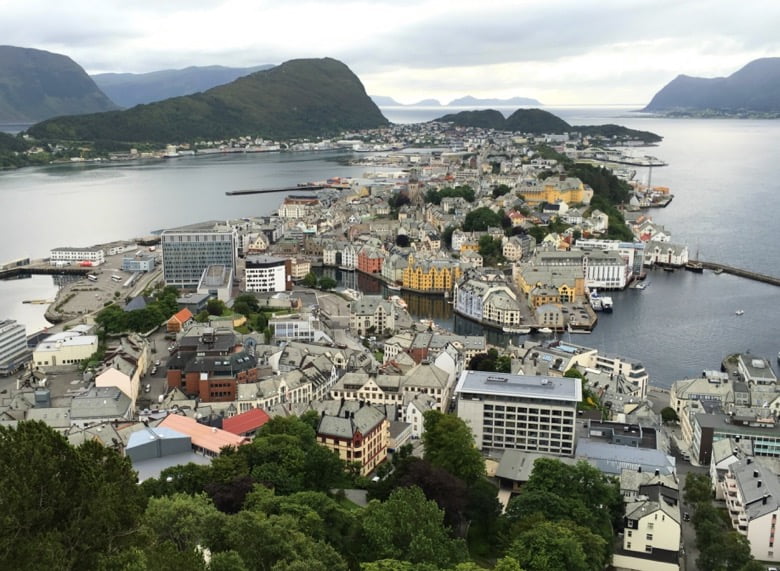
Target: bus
pixel 116 278
pixel 92 277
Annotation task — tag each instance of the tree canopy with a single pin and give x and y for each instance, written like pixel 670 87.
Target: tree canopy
pixel 449 444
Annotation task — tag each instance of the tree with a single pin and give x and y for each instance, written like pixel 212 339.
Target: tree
pixel 310 280
pixel 491 250
pixel 449 444
pixel 63 507
pixel 481 219
pixel 549 545
pixel 408 527
pixel 698 488
pixel 183 520
pixel 500 190
pixel 402 240
pixel 327 283
pixel 668 414
pixel 215 306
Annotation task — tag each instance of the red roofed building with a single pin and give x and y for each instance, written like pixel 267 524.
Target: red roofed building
pixel 178 321
pixel 205 439
pixel 247 423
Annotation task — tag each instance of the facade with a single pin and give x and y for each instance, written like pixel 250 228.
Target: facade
pixel 188 251
pixel 530 413
pixel 265 273
pixel 359 436
pixel 141 263
pixel 556 189
pixel 13 346
pixel 370 260
pixel 65 349
pixel 298 207
pixel 752 493
pixel 652 530
pixel 372 314
pixel 210 365
pixel 179 321
pixel 665 254
pixel 430 274
pixel 65 256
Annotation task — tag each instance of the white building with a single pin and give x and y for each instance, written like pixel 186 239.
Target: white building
pixel 265 273
pixel 65 349
pixel 65 256
pixel 13 346
pixel 753 500
pixel 530 413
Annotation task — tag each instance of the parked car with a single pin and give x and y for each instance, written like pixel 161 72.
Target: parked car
pixel 686 516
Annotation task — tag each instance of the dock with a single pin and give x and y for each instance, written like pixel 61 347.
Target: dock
pixel 755 276
pixel 303 187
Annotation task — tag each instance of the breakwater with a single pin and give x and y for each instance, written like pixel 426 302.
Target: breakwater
pixel 755 276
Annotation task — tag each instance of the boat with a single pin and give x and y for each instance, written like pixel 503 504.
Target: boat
pixel 740 312
pixel 519 330
pixel 544 330
pixel 595 301
pixel 718 271
pixel 696 267
pixel 639 285
pixel 606 304
pixel 393 287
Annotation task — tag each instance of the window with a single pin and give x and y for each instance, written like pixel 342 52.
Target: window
pixel 649 537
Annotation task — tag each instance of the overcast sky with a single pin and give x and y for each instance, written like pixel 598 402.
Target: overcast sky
pixel 561 52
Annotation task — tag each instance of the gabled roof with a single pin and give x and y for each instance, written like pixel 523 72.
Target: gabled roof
pixel 182 316
pixel 246 422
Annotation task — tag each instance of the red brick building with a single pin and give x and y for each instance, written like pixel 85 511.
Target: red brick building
pixel 370 260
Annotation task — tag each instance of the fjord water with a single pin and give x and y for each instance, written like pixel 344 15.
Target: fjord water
pixel 723 173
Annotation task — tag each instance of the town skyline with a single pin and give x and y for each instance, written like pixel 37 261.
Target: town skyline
pixel 429 50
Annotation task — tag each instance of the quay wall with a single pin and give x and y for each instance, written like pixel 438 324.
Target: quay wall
pixel 755 276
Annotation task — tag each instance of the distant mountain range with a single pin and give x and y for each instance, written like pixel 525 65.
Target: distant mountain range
pixel 130 89
pixel 36 85
pixel 467 101
pixel 754 88
pixel 538 121
pixel 299 98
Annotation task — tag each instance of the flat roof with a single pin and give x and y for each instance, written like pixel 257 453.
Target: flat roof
pixel 526 386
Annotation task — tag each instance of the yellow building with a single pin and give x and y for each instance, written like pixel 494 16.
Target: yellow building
pixel 558 188
pixel 430 275
pixel 562 284
pixel 360 435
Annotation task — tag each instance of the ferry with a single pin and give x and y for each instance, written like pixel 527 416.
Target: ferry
pixel 740 312
pixel 545 330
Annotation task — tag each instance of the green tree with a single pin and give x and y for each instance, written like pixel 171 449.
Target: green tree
pixel 491 250
pixel 215 306
pixel 668 414
pixel 449 444
pixel 481 219
pixel 183 520
pixel 327 283
pixel 408 527
pixel 547 546
pixel 310 280
pixel 63 507
pixel 500 190
pixel 698 488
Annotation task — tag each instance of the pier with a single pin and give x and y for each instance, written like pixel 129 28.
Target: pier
pixel 755 276
pixel 272 190
pixel 45 270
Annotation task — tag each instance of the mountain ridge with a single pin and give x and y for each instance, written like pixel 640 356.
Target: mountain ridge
pixel 468 100
pixel 753 88
pixel 130 89
pixel 299 98
pixel 37 85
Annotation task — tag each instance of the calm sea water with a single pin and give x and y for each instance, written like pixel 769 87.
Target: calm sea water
pixel 722 173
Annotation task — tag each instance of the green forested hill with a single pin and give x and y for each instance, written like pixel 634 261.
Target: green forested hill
pixel 486 119
pixel 300 98
pixel 36 85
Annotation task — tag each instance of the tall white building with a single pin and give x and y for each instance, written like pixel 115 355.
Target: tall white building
pixel 188 251
pixel 531 413
pixel 64 256
pixel 265 273
pixel 13 346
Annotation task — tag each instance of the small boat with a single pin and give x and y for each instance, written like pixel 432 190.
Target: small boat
pixel 606 304
pixel 695 267
pixel 393 287
pixel 639 285
pixel 519 330
pixel 740 312
pixel 545 330
pixel 397 300
pixel 718 271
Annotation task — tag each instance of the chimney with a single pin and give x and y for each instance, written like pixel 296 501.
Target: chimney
pixel 749 461
pixel 755 473
pixel 657 472
pixel 758 484
pixel 763 500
